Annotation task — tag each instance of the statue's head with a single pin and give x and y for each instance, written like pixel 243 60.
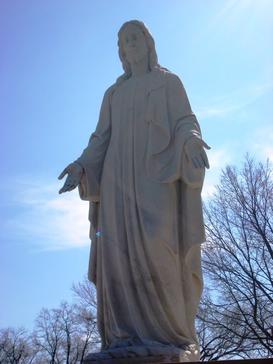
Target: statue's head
pixel 135 42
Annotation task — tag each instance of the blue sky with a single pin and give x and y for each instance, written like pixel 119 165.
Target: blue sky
pixel 57 59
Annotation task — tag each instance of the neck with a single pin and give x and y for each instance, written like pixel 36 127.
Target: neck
pixel 140 67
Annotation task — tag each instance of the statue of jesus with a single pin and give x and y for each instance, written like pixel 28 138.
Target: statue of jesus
pixel 142 173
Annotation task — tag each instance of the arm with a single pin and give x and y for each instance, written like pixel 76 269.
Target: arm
pixel 99 140
pixel 185 120
pixel 85 172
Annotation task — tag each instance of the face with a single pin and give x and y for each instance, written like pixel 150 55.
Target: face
pixel 134 44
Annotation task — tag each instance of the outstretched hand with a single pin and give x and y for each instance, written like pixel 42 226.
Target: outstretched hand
pixel 195 152
pixel 74 172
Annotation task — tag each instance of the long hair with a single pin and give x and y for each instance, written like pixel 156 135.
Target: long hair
pixel 152 56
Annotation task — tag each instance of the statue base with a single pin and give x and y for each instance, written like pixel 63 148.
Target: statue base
pixel 143 360
pixel 144 355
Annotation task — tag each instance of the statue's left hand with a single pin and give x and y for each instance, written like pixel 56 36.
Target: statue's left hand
pixel 195 152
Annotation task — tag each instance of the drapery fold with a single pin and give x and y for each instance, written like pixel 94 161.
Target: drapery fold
pixel 171 123
pixel 145 204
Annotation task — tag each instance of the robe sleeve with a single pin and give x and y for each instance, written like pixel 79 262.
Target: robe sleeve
pixel 92 158
pixel 185 126
pixel 171 124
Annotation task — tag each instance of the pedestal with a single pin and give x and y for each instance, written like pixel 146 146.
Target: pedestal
pixel 140 354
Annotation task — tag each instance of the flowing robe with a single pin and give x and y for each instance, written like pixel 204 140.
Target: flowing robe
pixel 145 213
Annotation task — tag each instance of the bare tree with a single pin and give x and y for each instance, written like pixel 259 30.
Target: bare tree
pixel 48 336
pixel 15 347
pixel 216 342
pixel 88 339
pixel 68 329
pixel 78 327
pixel 65 335
pixel 238 264
pixel 85 293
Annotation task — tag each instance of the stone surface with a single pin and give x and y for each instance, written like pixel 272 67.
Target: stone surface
pixel 142 354
pixel 140 360
pixel 142 173
pixel 137 360
pixel 160 360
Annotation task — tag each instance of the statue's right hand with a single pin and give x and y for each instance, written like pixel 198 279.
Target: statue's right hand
pixel 74 172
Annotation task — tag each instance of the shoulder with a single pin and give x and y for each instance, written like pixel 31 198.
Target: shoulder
pixel 166 74
pixel 120 81
pixel 173 80
pixel 175 91
pixel 170 79
pixel 109 92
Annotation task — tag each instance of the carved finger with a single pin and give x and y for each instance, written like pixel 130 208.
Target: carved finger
pixel 205 159
pixel 70 188
pixel 204 144
pixel 202 161
pixel 67 187
pixel 64 172
pixel 199 161
pixel 62 190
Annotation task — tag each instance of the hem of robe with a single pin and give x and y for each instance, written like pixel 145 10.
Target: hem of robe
pixel 166 162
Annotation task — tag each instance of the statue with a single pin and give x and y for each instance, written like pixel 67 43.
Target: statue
pixel 142 173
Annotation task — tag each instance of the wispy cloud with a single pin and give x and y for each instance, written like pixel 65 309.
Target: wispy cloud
pixel 234 101
pixel 215 110
pixel 230 13
pixel 49 221
pixel 239 18
pixel 46 220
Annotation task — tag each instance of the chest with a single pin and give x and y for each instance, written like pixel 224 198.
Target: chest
pixel 130 102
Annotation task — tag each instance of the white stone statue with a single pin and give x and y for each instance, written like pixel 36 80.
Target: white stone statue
pixel 142 172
